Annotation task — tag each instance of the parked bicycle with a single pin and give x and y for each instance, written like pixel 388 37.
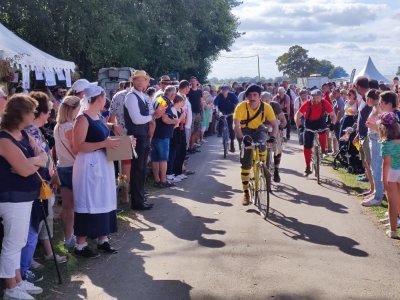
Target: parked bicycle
pixel 316 153
pixel 260 186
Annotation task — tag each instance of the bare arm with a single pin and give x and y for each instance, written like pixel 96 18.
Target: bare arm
pixel 297 118
pixel 275 127
pixel 282 119
pixel 333 117
pixel 19 163
pixel 237 129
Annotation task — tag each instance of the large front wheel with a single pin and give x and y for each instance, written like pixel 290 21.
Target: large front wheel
pixel 263 193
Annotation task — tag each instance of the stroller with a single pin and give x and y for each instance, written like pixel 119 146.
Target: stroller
pixel 348 155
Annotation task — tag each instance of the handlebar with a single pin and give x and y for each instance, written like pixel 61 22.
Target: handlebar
pixel 316 131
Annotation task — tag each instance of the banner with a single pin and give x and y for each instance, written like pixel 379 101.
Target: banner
pixel 67 77
pixel 50 77
pixel 353 73
pixel 25 78
pixel 60 74
pixel 39 73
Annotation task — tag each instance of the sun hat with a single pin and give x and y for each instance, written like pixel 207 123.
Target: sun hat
pixel 140 73
pixel 80 85
pixel 165 79
pixel 93 91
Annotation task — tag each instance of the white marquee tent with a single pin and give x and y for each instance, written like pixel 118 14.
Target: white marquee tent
pixel 24 56
pixel 371 72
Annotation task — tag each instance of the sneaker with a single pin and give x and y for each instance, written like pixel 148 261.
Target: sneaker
pixel 70 244
pixel 36 266
pixel 170 177
pixel 86 252
pixel 16 293
pixel 173 178
pixel 371 202
pixel 398 223
pixel 204 141
pixel 369 197
pixel 30 288
pixel 392 234
pixel 307 172
pixel 60 258
pixel 106 247
pixel 182 176
pixel 32 277
pixel 246 198
pixel 384 220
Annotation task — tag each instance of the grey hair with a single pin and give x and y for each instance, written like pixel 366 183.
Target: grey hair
pixel 169 89
pixel 266 95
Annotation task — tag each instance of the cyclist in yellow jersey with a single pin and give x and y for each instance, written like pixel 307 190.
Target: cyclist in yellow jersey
pixel 248 119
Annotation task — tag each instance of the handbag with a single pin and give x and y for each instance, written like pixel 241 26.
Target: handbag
pixel 55 179
pixel 45 191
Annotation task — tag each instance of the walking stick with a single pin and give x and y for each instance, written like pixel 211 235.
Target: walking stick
pixel 51 242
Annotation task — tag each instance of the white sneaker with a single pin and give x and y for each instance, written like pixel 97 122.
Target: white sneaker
pixel 181 177
pixel 170 177
pixel 30 288
pixel 60 258
pixel 371 202
pixel 176 179
pixel 392 234
pixel 16 293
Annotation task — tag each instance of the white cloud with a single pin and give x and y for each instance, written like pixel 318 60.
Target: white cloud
pixel 345 32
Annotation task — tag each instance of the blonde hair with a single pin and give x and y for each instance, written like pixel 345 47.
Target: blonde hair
pixel 67 107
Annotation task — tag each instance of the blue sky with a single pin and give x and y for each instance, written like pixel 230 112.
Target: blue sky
pixel 345 32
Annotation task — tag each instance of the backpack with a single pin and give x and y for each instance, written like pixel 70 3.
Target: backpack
pixel 309 110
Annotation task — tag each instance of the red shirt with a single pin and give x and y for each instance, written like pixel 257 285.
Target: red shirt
pixel 316 109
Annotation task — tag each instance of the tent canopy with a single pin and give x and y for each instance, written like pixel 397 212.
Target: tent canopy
pixel 371 72
pixel 26 55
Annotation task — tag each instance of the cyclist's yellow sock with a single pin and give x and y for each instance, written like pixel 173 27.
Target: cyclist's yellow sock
pixel 245 174
pixel 263 156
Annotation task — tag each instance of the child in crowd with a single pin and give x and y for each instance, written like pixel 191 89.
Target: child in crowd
pixel 389 133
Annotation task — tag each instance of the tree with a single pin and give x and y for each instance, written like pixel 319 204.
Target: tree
pixel 294 63
pixel 338 72
pixel 158 36
pixel 324 67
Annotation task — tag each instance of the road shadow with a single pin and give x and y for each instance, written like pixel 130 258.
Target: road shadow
pixel 315 234
pixel 290 193
pixel 123 275
pixel 183 224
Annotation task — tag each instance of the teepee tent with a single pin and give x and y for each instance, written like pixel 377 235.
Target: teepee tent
pixel 371 72
pixel 25 57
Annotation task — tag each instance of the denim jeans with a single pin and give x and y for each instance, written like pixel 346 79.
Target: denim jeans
pixel 29 250
pixel 376 164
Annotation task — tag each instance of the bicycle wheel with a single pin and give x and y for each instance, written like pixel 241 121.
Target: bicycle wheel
pixel 252 191
pixel 225 148
pixel 317 164
pixel 268 171
pixel 263 192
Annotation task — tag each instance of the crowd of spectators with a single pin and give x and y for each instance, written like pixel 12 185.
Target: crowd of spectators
pixel 64 135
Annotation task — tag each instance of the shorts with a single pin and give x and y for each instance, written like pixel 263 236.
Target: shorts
pixel 393 175
pixel 196 123
pixel 365 153
pixel 65 175
pixel 160 150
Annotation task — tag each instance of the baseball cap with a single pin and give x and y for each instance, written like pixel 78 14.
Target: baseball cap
pixel 80 85
pixel 316 92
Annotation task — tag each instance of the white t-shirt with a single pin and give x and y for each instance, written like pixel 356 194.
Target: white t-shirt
pixel 63 146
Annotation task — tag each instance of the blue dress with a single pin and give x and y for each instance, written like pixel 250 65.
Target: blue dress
pixel 94 187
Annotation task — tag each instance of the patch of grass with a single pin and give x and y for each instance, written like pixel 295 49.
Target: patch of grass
pixel 357 187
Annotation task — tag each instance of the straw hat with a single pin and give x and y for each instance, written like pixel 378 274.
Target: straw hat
pixel 140 73
pixel 165 79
